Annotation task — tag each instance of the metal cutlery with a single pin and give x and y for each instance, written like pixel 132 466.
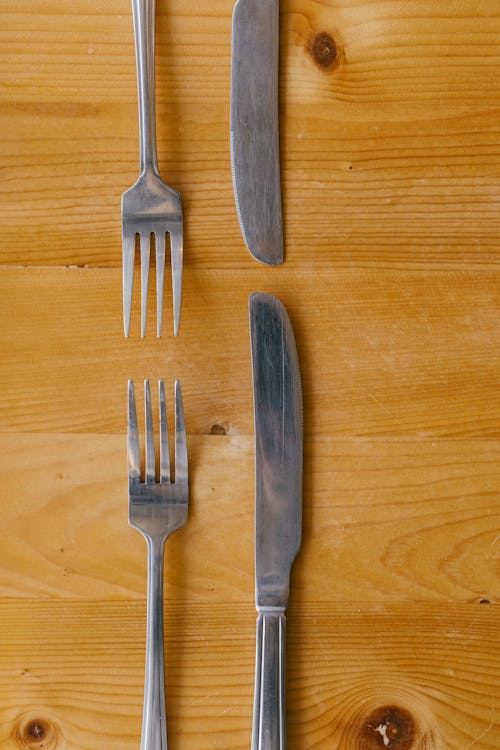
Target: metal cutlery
pixel 254 128
pixel 150 207
pixel 156 509
pixel 278 505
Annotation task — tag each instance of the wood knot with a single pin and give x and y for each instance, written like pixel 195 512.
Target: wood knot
pixel 324 50
pixel 35 733
pixel 218 429
pixel 389 727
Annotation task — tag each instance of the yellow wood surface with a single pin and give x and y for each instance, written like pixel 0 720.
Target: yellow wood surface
pixel 390 173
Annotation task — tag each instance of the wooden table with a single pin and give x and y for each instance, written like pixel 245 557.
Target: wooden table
pixel 390 169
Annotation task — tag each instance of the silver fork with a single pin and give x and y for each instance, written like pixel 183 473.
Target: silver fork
pixel 156 509
pixel 150 207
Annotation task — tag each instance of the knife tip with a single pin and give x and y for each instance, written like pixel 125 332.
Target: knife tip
pixel 264 299
pixel 267 257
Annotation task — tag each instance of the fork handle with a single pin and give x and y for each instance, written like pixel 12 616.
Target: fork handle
pixel 269 715
pixel 154 718
pixel 144 33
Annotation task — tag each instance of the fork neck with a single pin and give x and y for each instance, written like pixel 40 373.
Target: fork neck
pixel 144 33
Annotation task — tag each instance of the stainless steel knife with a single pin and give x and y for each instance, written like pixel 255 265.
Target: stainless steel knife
pixel 255 127
pixel 278 505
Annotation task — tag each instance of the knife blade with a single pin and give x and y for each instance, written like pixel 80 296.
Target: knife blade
pixel 254 127
pixel 278 504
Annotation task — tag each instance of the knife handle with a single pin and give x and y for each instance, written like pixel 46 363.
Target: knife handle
pixel 144 33
pixel 269 715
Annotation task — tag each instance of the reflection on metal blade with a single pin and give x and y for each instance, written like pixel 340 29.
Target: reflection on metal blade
pixel 255 127
pixel 278 446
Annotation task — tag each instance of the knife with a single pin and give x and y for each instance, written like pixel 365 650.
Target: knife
pixel 255 127
pixel 278 505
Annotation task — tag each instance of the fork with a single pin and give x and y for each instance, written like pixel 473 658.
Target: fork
pixel 150 206
pixel 156 509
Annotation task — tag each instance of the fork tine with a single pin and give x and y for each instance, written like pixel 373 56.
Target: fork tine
pixel 164 449
pixel 145 256
pixel 176 249
pixel 150 471
pixel 134 460
pixel 160 278
pixel 128 253
pixel 181 463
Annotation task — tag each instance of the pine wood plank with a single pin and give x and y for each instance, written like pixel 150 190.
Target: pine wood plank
pixel 387 354
pixel 389 144
pixel 390 166
pixel 73 671
pixel 384 521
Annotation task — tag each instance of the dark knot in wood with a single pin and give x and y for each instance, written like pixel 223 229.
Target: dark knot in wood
pixel 218 429
pixel 37 734
pixel 324 50
pixel 36 730
pixel 388 727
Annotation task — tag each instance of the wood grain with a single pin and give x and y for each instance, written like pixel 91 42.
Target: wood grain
pixel 390 155
pixel 75 670
pixel 384 521
pixel 382 354
pixel 390 173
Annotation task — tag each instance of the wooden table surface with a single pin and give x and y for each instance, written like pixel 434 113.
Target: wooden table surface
pixel 390 171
